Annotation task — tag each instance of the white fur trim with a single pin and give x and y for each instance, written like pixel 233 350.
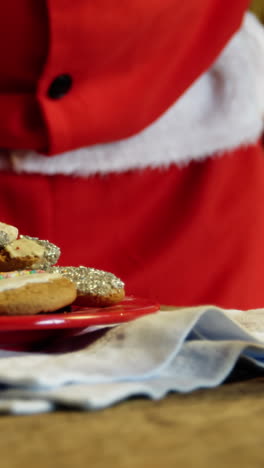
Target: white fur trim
pixel 224 109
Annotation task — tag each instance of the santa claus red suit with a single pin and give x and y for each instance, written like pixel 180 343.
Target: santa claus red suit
pixel 130 136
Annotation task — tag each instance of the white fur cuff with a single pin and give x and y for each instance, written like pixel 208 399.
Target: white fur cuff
pixel 224 109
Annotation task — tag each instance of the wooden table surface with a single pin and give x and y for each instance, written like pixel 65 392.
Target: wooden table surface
pixel 216 428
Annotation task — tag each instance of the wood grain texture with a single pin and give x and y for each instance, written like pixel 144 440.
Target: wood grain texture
pixel 208 428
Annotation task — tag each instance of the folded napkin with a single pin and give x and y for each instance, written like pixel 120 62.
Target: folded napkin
pixel 178 350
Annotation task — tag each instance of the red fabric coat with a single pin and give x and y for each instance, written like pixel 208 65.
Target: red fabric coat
pixel 180 236
pixel 183 236
pixel 129 61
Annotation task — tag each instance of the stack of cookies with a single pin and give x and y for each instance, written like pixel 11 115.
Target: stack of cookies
pixel 30 283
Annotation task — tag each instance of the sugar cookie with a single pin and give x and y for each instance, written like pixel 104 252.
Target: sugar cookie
pixel 94 287
pixel 7 234
pixel 21 254
pixel 29 292
pixel 51 252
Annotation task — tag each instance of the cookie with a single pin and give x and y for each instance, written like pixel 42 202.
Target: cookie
pixel 30 292
pixel 95 288
pixel 7 234
pixel 21 254
pixel 51 253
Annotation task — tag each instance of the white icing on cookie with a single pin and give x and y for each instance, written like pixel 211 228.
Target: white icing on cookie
pixel 23 280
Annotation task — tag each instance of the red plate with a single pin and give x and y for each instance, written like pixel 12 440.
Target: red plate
pixel 29 332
